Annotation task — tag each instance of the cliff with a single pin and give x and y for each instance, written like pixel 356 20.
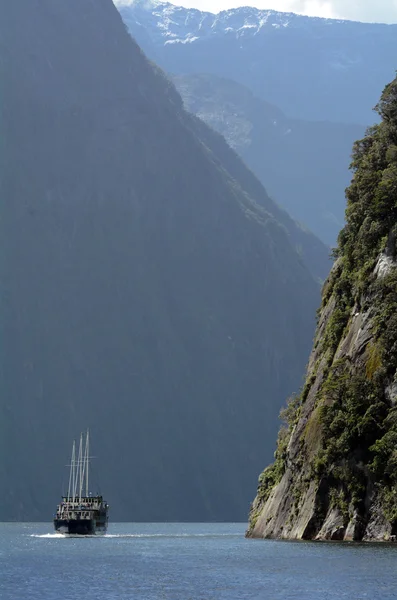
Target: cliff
pixel 144 292
pixel 334 475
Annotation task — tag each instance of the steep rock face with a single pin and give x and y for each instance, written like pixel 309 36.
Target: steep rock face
pixel 303 164
pixel 334 476
pixel 315 69
pixel 144 293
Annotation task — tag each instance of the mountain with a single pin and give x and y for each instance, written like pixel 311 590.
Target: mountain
pixel 150 289
pixel 311 68
pixel 312 251
pixel 303 164
pixel 334 475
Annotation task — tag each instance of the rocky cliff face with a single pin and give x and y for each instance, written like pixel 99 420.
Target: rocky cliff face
pixel 334 475
pixel 145 293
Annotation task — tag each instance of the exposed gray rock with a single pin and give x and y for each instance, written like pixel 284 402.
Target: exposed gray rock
pixel 355 528
pixel 379 528
pixel 299 506
pixel 391 390
pixel 333 527
pixel 385 265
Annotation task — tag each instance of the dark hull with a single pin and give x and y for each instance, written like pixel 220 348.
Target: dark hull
pixel 80 526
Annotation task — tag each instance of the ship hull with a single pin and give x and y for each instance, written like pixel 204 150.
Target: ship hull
pixel 79 527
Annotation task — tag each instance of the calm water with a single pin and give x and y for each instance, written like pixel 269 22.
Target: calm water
pixel 187 562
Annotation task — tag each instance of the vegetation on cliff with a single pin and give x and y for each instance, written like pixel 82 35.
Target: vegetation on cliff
pixel 347 440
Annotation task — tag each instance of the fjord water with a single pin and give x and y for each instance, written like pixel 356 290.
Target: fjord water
pixel 187 562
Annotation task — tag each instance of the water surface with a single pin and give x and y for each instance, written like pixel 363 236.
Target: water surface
pixel 187 562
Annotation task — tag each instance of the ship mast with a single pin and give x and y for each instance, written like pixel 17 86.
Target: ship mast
pixel 78 475
pixel 72 471
pixel 87 443
pixel 80 466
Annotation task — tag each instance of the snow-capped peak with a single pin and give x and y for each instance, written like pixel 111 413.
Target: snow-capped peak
pixel 177 24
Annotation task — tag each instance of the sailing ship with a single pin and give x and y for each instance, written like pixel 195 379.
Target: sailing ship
pixel 81 513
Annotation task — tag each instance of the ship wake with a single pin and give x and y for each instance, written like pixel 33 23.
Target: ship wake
pixel 48 535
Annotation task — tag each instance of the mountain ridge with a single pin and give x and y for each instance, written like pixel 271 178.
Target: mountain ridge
pixel 305 68
pixel 260 18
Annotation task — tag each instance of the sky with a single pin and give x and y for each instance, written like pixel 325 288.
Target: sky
pixel 381 11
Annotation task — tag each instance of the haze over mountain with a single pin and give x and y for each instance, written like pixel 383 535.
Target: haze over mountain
pixel 302 164
pixel 311 68
pixel 150 289
pixel 289 93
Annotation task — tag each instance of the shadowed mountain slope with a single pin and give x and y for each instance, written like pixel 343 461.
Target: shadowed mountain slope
pixel 144 293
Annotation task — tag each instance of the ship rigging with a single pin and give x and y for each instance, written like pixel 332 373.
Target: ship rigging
pixel 79 512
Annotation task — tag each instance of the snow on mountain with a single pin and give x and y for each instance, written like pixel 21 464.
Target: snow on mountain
pixel 176 24
pixel 311 68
